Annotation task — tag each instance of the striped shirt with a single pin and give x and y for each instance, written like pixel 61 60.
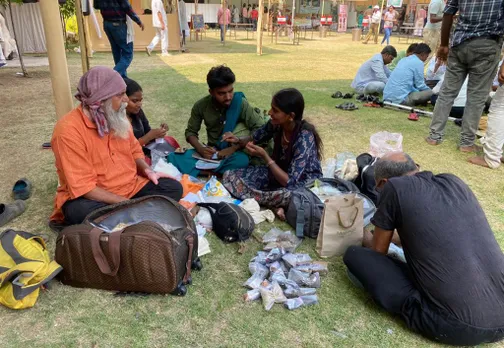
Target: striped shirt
pixel 116 10
pixel 481 18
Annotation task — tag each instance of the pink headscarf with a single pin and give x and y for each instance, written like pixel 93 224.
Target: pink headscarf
pixel 97 85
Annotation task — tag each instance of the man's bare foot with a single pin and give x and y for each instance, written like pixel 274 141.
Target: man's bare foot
pixel 280 213
pixel 432 141
pixel 472 148
pixel 479 161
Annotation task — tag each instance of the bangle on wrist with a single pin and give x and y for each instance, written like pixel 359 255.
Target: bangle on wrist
pixel 270 163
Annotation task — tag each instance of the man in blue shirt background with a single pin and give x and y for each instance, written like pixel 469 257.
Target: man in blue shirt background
pixel 406 84
pixel 373 74
pixel 114 14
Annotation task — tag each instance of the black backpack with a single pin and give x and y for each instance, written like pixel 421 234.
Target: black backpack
pixel 305 209
pixel 365 181
pixel 231 223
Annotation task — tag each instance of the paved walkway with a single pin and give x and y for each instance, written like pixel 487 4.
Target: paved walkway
pixel 29 61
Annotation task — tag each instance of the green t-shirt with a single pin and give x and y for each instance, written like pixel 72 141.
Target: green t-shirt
pixel 400 55
pixel 205 110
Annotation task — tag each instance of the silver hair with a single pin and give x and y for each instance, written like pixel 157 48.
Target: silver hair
pixel 385 169
pixel 117 120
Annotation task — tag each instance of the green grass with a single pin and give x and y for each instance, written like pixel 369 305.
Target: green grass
pixel 213 313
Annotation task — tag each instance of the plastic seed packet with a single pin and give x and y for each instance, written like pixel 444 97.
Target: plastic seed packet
pixel 255 281
pixel 294 260
pixel 298 302
pixel 275 255
pixel 278 276
pixel 257 266
pixel 252 295
pixel 291 292
pixel 303 279
pixel 275 266
pixel 260 257
pixel 271 295
pixel 272 235
pixel 293 303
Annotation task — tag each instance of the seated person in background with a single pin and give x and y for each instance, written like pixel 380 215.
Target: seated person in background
pixel 221 111
pixel 451 290
pixel 140 123
pixel 457 109
pixel 401 55
pixel 295 160
pixel 406 84
pixel 435 72
pixel 98 159
pixel 373 74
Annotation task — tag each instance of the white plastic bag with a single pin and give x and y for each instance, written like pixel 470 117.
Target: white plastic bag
pixel 384 142
pixel 204 219
pixel 167 168
pixel 329 168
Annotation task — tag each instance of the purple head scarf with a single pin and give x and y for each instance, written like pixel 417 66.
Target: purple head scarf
pixel 97 85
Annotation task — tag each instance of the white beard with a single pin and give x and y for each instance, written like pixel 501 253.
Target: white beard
pixel 117 120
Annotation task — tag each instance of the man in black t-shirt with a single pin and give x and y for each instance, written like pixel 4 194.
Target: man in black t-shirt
pixel 451 289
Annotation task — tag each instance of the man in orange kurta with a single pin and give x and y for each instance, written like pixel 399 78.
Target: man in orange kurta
pixel 98 159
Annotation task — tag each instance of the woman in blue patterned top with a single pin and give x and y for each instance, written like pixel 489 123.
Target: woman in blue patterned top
pixel 296 155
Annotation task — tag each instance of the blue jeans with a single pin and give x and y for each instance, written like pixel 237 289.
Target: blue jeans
pixel 388 32
pixel 121 51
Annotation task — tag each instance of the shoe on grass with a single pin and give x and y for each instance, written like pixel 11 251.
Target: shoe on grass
pixel 9 212
pixel 22 189
pixel 337 94
pixel 148 51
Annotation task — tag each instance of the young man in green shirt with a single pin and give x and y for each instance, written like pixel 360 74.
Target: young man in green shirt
pixel 221 111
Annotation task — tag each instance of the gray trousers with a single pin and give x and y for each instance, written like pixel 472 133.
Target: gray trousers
pixel 418 98
pixel 477 58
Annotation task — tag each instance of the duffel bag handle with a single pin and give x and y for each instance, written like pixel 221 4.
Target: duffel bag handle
pixel 114 244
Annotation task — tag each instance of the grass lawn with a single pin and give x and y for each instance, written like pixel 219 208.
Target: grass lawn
pixel 213 313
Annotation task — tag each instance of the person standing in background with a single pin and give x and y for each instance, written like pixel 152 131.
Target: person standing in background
pixel 473 51
pixel 389 17
pixel 254 15
pixel 236 14
pixel 432 30
pixel 160 24
pixel 420 21
pixel 220 20
pixel 244 13
pixel 114 14
pixel 375 21
pixel 249 14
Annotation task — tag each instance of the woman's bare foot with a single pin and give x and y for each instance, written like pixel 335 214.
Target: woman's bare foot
pixel 280 213
pixel 479 161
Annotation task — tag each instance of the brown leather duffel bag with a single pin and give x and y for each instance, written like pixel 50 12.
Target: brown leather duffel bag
pixel 144 245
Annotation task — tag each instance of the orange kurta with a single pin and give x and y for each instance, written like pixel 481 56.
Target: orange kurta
pixel 85 161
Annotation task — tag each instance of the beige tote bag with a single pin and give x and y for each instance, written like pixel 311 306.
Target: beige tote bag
pixel 342 225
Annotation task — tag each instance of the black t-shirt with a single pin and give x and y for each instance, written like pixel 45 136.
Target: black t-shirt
pixel 140 124
pixel 450 249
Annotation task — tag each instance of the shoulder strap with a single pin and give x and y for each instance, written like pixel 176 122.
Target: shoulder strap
pixel 300 217
pixel 114 244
